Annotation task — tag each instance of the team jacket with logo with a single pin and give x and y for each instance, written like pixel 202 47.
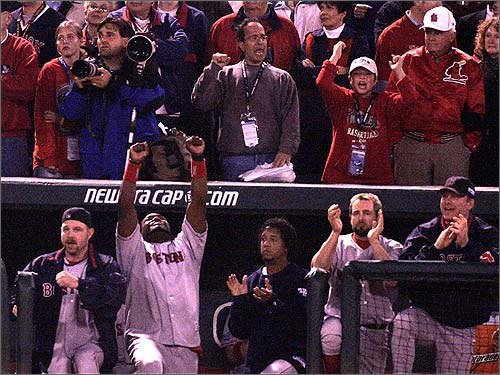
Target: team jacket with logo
pixel 454 304
pixel 444 90
pixel 102 292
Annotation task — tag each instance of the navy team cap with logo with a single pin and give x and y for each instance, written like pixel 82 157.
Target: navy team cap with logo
pixel 78 214
pixel 459 185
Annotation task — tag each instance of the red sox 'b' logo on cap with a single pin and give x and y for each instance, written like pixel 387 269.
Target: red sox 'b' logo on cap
pixel 434 17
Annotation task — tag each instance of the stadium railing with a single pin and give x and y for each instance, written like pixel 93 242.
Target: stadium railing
pixel 479 273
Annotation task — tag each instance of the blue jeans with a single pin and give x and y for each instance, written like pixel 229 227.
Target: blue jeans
pixel 233 166
pixel 15 159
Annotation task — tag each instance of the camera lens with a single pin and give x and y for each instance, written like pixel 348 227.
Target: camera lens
pixel 140 48
pixel 83 68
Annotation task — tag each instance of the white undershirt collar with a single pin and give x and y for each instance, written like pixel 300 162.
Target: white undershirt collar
pixel 335 33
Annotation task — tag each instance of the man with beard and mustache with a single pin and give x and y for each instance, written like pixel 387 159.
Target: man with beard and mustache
pixel 163 271
pixel 269 306
pixel 77 295
pixel 364 243
pixel 443 313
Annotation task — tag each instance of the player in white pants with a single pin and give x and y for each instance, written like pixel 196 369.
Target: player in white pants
pixel 163 270
pixel 454 346
pixel 444 313
pixel 364 243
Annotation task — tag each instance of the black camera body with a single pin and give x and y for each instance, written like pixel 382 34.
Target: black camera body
pixel 85 68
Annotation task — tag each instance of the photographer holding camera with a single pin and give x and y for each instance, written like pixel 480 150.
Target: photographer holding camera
pixel 104 95
pixel 171 50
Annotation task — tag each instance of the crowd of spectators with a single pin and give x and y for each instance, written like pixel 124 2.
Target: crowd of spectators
pixel 65 126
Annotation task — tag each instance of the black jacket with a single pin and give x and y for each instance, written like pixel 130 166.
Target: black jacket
pixel 277 329
pixel 102 292
pixel 466 30
pixel 40 33
pixel 455 304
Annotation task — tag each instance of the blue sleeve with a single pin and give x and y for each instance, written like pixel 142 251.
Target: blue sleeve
pixel 141 97
pixel 104 292
pixel 419 246
pixel 171 44
pixel 244 311
pixel 241 316
pixel 74 104
pixel 199 43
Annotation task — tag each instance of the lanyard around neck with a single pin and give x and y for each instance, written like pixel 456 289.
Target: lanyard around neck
pixel 19 31
pixel 65 68
pixel 362 121
pixel 248 92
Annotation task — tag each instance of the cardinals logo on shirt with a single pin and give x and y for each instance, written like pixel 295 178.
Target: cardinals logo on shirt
pixel 454 74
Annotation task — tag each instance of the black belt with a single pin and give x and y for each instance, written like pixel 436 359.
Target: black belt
pixel 376 326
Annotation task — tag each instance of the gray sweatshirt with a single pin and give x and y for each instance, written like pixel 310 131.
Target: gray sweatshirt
pixel 274 104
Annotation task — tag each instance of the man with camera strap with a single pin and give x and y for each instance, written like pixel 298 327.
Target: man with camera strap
pixel 103 97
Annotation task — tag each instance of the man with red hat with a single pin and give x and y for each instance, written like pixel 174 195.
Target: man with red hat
pixel 445 314
pixel 77 295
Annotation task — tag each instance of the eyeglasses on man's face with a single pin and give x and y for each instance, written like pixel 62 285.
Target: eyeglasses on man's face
pixel 95 8
pixel 255 38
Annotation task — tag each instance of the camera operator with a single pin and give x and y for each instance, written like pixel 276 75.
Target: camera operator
pixel 171 50
pixel 104 100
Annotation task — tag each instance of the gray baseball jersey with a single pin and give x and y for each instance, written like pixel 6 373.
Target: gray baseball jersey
pixel 375 309
pixel 163 286
pixel 77 338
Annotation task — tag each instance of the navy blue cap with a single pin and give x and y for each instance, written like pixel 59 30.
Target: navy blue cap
pixel 79 214
pixel 459 185
pixel 10 6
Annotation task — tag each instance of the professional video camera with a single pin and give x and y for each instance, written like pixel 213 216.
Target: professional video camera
pixel 140 48
pixel 85 68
